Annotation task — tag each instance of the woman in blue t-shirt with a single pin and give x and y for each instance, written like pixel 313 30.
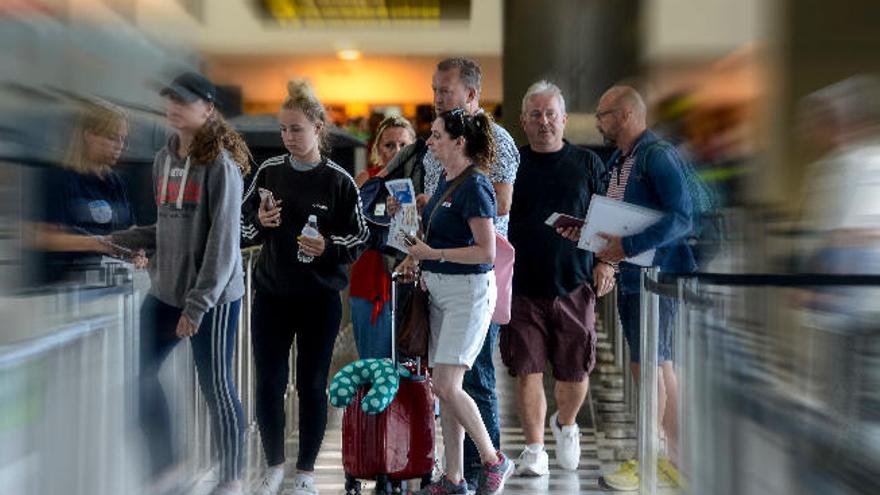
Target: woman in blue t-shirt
pixel 456 259
pixel 84 195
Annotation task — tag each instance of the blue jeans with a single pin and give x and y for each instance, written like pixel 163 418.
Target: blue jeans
pixel 479 383
pixel 629 307
pixel 372 341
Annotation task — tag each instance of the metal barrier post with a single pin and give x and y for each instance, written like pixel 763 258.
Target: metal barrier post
pixel 648 396
pixel 696 409
pixel 631 391
pixel 616 331
pixel 684 368
pixel 250 410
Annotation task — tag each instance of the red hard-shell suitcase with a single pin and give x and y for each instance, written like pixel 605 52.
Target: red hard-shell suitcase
pixel 397 444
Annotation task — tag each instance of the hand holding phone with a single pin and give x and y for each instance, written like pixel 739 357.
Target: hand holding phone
pixel 269 212
pixel 408 238
pixel 267 198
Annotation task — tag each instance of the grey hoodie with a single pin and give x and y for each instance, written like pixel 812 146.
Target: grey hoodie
pixel 197 262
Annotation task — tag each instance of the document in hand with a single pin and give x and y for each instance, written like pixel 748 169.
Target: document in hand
pixel 402 190
pixel 620 219
pixel 563 221
pixel 406 220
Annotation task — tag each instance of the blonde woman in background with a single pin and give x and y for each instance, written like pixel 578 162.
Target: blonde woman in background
pixel 370 288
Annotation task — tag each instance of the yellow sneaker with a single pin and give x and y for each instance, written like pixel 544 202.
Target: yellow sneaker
pixel 625 479
pixel 671 473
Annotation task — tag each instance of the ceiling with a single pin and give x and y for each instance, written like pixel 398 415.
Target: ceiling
pixel 237 27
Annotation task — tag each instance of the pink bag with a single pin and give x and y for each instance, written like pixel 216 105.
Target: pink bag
pixel 504 256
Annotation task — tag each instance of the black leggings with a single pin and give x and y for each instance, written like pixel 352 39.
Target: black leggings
pixel 314 319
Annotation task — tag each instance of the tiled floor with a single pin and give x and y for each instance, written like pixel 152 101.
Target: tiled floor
pixel 597 454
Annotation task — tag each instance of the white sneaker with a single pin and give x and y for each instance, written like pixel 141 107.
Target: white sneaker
pixel 568 443
pixel 533 463
pixel 304 484
pixel 271 483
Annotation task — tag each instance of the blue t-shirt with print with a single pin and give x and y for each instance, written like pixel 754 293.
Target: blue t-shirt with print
pixel 82 204
pixel 449 228
pixel 96 204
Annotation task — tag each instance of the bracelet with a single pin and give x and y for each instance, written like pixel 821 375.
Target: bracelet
pixel 442 257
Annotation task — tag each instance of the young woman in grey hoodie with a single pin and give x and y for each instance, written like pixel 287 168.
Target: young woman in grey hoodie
pixel 196 273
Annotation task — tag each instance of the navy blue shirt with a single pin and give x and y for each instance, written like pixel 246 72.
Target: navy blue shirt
pixel 95 204
pixel 449 229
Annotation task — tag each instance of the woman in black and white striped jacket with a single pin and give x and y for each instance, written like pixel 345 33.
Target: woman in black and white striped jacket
pixel 298 279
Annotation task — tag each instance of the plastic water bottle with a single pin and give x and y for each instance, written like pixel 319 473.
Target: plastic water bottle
pixel 310 230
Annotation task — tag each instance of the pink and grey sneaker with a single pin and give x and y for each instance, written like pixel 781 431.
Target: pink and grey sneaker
pixel 493 477
pixel 444 487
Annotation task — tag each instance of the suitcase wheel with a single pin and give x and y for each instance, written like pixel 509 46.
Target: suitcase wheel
pixel 426 480
pixel 383 485
pixel 352 486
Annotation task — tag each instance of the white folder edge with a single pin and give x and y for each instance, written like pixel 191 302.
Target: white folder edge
pixel 602 205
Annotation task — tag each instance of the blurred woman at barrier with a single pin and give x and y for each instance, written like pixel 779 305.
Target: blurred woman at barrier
pixel 456 260
pixel 85 194
pixel 370 281
pixel 307 212
pixel 196 274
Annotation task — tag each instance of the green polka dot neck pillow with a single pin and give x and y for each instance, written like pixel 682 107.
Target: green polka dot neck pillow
pixel 379 374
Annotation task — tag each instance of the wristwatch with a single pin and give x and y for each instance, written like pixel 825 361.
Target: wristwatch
pixel 609 264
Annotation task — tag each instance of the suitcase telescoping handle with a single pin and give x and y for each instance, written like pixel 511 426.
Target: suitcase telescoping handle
pixel 397 277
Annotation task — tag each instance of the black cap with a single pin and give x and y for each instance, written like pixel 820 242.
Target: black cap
pixel 191 86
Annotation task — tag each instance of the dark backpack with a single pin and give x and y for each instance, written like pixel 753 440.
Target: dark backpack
pixel 374 196
pixel 709 233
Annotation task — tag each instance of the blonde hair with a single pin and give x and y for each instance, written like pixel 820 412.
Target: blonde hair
pixel 389 122
pixel 301 96
pixel 97 117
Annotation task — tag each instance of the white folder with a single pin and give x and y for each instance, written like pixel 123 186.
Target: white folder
pixel 619 219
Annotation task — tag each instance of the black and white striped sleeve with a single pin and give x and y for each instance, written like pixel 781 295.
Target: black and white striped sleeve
pixel 348 239
pixel 251 229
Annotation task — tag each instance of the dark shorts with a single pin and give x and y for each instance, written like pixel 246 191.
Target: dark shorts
pixel 629 308
pixel 561 330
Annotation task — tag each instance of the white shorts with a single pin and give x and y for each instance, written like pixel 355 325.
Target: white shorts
pixel 460 313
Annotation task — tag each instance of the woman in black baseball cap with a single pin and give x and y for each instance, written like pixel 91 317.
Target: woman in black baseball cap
pixel 200 283
pixel 196 276
pixel 190 87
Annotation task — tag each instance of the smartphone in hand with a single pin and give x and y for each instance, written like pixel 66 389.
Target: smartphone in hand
pixel 267 198
pixel 408 239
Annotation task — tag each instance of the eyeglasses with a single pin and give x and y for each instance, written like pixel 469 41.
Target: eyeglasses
pixel 550 115
pixel 602 114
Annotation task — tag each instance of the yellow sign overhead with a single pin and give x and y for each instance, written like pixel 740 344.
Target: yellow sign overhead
pixel 378 12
